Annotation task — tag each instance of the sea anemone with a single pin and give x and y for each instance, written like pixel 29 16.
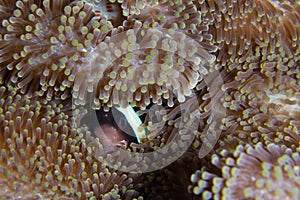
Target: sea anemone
pixel 252 31
pixel 208 70
pixel 181 16
pixel 172 181
pixel 6 10
pixel 130 7
pixel 44 42
pixel 44 156
pixel 263 109
pixel 246 172
pixel 151 58
pixel 257 49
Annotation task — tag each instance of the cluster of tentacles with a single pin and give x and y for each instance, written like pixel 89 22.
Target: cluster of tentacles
pixel 225 74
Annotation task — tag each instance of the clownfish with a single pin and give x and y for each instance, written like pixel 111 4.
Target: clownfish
pixel 129 122
pixel 121 126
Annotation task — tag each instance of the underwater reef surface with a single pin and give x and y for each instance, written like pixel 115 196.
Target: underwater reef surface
pixel 149 99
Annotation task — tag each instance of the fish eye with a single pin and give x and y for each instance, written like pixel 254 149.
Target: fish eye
pixel 122 122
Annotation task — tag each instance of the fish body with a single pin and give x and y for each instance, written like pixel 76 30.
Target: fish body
pixel 129 122
pixel 121 124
